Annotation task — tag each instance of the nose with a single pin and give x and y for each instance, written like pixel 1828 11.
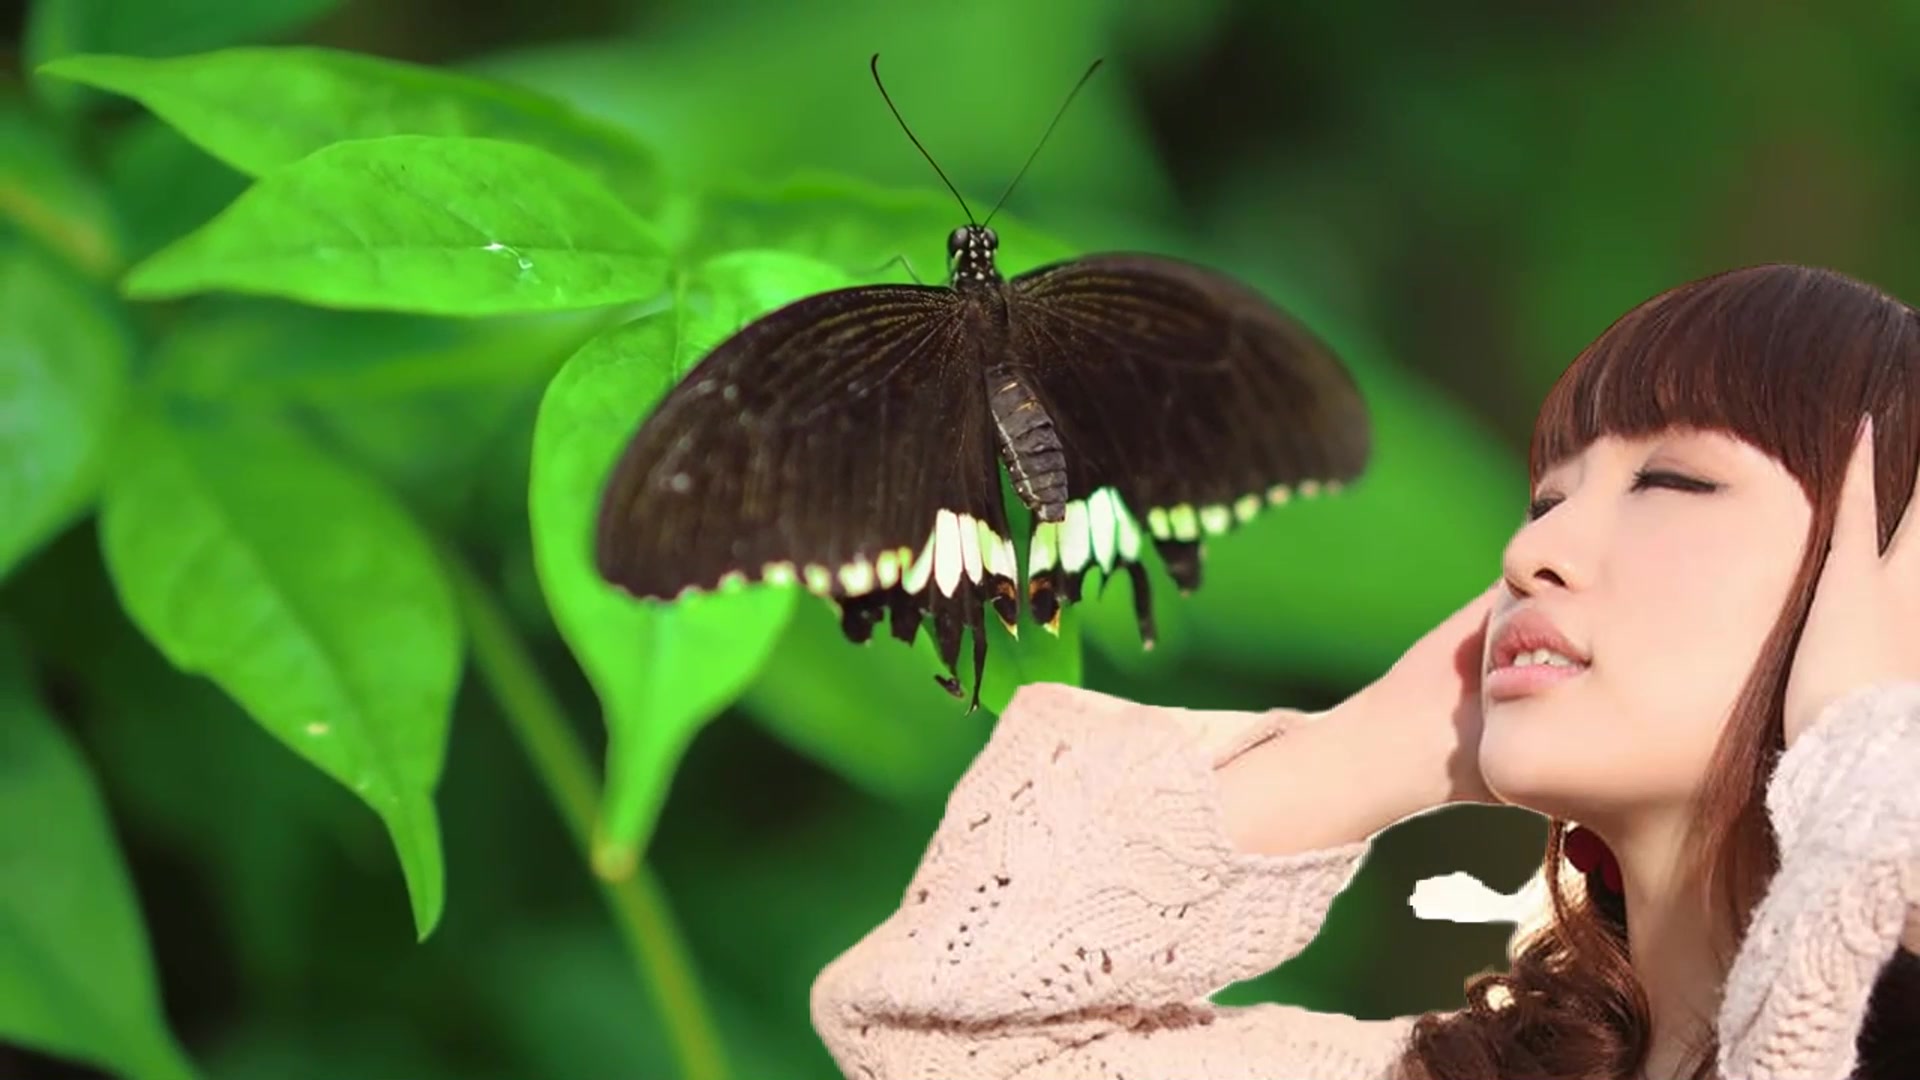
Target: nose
pixel 1546 554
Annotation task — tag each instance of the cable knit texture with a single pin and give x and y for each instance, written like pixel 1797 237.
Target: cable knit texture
pixel 1080 903
pixel 1845 807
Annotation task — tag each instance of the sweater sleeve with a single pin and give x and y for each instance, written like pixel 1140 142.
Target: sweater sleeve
pixel 1078 905
pixel 1845 807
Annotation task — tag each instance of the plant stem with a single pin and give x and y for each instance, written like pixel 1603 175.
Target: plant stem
pixel 637 901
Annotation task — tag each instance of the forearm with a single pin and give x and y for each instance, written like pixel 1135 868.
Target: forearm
pixel 1333 778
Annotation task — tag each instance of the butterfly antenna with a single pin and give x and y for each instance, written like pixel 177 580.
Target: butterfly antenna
pixel 875 65
pixel 1043 139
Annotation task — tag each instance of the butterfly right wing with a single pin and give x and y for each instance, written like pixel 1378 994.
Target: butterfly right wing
pixel 1184 402
pixel 841 442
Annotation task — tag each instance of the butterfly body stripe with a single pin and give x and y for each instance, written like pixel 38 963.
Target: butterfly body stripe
pixel 1029 444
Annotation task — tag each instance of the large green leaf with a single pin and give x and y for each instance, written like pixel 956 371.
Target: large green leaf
pixel 66 27
pixel 419 223
pixel 431 407
pixel 661 671
pixel 76 979
pixel 57 28
pixel 261 108
pixel 841 704
pixel 162 185
pixel 874 713
pixel 63 373
pixel 308 595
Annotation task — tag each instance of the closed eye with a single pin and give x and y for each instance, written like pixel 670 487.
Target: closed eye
pixel 1642 480
pixel 1659 478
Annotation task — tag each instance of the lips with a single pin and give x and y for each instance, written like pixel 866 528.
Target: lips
pixel 1523 632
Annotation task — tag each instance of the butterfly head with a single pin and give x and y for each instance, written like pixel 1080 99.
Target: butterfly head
pixel 970 256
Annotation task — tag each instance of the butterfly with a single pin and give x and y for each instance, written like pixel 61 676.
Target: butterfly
pixel 851 442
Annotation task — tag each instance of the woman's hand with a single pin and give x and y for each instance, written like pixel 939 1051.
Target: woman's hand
pixel 1864 624
pixel 1408 742
pixel 1431 698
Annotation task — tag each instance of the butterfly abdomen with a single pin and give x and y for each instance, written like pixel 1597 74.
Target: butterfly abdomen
pixel 1029 443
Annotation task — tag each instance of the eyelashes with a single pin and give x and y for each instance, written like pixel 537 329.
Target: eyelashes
pixel 1642 480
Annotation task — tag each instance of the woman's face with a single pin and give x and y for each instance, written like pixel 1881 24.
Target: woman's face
pixel 1660 563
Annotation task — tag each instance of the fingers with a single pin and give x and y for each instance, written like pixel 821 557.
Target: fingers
pixel 1900 544
pixel 1855 524
pixel 1470 622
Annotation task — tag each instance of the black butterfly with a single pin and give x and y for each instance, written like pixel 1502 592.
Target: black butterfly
pixel 851 441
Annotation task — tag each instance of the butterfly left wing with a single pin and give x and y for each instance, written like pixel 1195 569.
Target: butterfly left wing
pixel 1184 402
pixel 840 442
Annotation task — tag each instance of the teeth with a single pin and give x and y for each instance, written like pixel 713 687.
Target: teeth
pixel 1543 656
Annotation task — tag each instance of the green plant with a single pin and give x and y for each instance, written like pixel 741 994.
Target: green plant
pixel 321 374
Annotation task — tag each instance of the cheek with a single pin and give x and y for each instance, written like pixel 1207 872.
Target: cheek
pixel 1693 615
pixel 1678 627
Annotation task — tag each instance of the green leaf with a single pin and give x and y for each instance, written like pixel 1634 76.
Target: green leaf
pixel 660 671
pixel 440 411
pixel 64 360
pixel 309 596
pixel 163 187
pixel 66 27
pixel 46 194
pixel 419 223
pixel 258 109
pixel 76 977
pixel 57 28
pixel 874 714
pixel 871 713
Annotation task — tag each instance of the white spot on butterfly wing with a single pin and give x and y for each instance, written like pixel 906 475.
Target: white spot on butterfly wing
pixel 1076 547
pixel 1246 507
pixel 1044 548
pixel 1129 532
pixel 921 570
pixel 946 551
pixel 970 531
pixel 1100 519
pixel 1158 525
pixel 1185 525
pixel 1215 519
pixel 856 578
pixel 998 552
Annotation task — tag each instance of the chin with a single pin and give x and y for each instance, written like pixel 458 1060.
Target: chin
pixel 1544 766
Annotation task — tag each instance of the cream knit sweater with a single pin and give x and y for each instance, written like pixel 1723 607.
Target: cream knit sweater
pixel 1079 904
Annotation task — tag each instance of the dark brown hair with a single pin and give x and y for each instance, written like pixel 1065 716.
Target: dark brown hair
pixel 1788 359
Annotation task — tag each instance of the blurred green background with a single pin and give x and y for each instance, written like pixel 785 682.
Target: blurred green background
pixel 1459 198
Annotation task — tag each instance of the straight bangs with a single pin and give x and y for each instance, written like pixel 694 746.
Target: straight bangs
pixel 1786 358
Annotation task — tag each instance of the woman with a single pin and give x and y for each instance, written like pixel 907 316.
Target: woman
pixel 1672 660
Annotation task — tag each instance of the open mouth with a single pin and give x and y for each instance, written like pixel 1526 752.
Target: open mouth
pixel 1530 673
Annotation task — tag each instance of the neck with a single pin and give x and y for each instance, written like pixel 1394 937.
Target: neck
pixel 1675 941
